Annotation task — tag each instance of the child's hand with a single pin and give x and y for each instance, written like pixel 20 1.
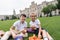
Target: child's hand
pixel 24 31
pixel 33 28
pixel 39 36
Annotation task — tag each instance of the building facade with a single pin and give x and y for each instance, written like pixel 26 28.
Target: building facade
pixel 3 17
pixel 34 8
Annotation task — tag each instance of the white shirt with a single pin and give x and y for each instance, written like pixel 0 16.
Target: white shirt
pixel 20 26
pixel 36 23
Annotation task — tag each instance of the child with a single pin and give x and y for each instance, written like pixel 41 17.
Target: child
pixel 19 27
pixel 35 26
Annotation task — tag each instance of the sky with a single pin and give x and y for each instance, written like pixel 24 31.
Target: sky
pixel 7 6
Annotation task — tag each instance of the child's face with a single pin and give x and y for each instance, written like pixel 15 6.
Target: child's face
pixel 33 17
pixel 22 18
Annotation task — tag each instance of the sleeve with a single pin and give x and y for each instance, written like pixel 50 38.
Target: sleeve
pixel 38 22
pixel 15 24
pixel 30 23
pixel 25 24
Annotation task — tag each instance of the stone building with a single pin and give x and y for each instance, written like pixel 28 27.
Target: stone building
pixel 10 16
pixel 34 8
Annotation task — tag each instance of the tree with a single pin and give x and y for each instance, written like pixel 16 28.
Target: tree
pixel 14 17
pixel 49 9
pixel 6 18
pixel 58 5
pixel 52 8
pixel 46 10
pixel 1 19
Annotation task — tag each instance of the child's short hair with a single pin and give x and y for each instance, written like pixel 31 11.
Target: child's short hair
pixel 23 15
pixel 33 13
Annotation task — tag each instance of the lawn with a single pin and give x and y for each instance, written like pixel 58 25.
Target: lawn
pixel 51 24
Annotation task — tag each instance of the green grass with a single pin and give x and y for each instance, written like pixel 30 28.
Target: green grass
pixel 51 24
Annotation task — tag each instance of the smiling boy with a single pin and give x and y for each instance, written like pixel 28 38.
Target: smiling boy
pixel 19 27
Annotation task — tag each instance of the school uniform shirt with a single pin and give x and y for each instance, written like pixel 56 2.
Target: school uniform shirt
pixel 20 26
pixel 35 23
